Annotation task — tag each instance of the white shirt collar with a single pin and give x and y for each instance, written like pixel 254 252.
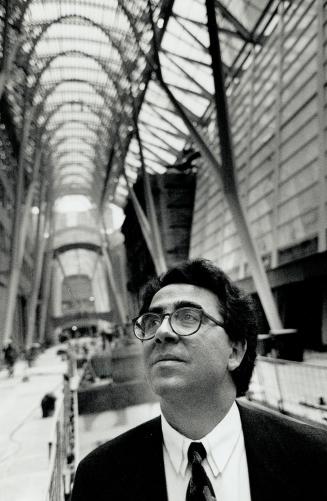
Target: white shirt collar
pixel 219 443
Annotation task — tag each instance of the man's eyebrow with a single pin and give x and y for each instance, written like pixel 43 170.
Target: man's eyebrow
pixel 176 305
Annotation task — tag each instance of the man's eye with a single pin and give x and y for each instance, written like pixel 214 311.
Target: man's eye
pixel 151 322
pixel 187 316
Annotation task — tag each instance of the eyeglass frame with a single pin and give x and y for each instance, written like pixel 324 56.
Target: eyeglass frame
pixel 169 315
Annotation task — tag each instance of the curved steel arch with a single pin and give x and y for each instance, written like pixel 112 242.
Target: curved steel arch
pixel 72 121
pixel 80 182
pixel 82 153
pixel 76 164
pixel 103 131
pixel 63 54
pixel 93 23
pixel 58 21
pixel 73 135
pixel 65 190
pixel 77 52
pixel 47 94
pixel 78 245
pixel 39 106
pixel 94 87
pixel 64 176
pixel 96 130
pixel 74 170
pixel 70 138
pixel 75 80
pixel 94 185
pixel 84 123
pixel 91 110
pixel 95 173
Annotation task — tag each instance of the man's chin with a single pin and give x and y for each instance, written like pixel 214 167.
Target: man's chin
pixel 167 386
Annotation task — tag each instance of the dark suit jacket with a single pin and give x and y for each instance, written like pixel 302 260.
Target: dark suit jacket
pixel 286 460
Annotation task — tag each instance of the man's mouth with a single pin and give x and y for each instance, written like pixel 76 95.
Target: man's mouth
pixel 167 358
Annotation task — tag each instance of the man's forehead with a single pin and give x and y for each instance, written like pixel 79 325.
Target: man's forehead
pixel 175 293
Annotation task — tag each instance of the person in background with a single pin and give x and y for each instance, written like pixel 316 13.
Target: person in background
pixel 10 357
pixel 198 334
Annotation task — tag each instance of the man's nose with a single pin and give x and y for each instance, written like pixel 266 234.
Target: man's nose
pixel 165 332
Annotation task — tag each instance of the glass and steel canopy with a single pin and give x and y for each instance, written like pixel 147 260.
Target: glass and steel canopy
pixel 83 69
pixel 99 91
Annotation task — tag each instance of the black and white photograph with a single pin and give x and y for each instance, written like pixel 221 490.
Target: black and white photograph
pixel 163 250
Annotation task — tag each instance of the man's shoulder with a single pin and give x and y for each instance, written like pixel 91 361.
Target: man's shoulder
pixel 286 457
pixel 265 422
pixel 123 445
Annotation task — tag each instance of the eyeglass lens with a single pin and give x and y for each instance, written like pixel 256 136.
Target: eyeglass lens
pixel 184 321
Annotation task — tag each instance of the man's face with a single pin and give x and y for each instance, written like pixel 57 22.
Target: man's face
pixel 177 365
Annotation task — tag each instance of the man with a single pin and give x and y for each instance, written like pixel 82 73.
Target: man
pixel 198 335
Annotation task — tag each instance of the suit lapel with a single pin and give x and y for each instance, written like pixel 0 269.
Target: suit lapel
pixel 149 477
pixel 259 476
pixel 268 464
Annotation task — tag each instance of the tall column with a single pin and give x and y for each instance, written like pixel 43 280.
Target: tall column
pixel 15 265
pixel 56 294
pixel 28 203
pixel 41 240
pixel 117 297
pixel 46 288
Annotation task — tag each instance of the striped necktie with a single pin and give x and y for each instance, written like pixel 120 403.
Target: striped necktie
pixel 199 487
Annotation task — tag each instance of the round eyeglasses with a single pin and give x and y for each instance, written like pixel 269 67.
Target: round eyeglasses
pixel 183 321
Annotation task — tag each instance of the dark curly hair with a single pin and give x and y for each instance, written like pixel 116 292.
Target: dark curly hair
pixel 237 308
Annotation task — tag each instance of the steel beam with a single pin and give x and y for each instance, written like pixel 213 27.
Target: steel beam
pixel 245 34
pixel 160 260
pixel 205 92
pixel 144 225
pixel 321 83
pixel 278 134
pixel 228 175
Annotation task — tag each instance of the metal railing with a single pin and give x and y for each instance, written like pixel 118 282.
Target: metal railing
pixel 297 388
pixel 63 443
pixel 56 484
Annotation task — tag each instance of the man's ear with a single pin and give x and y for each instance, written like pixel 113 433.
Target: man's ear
pixel 237 354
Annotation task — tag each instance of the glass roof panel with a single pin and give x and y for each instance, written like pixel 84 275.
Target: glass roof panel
pixel 84 65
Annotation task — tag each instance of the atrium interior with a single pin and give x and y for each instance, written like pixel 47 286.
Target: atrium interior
pixel 135 135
